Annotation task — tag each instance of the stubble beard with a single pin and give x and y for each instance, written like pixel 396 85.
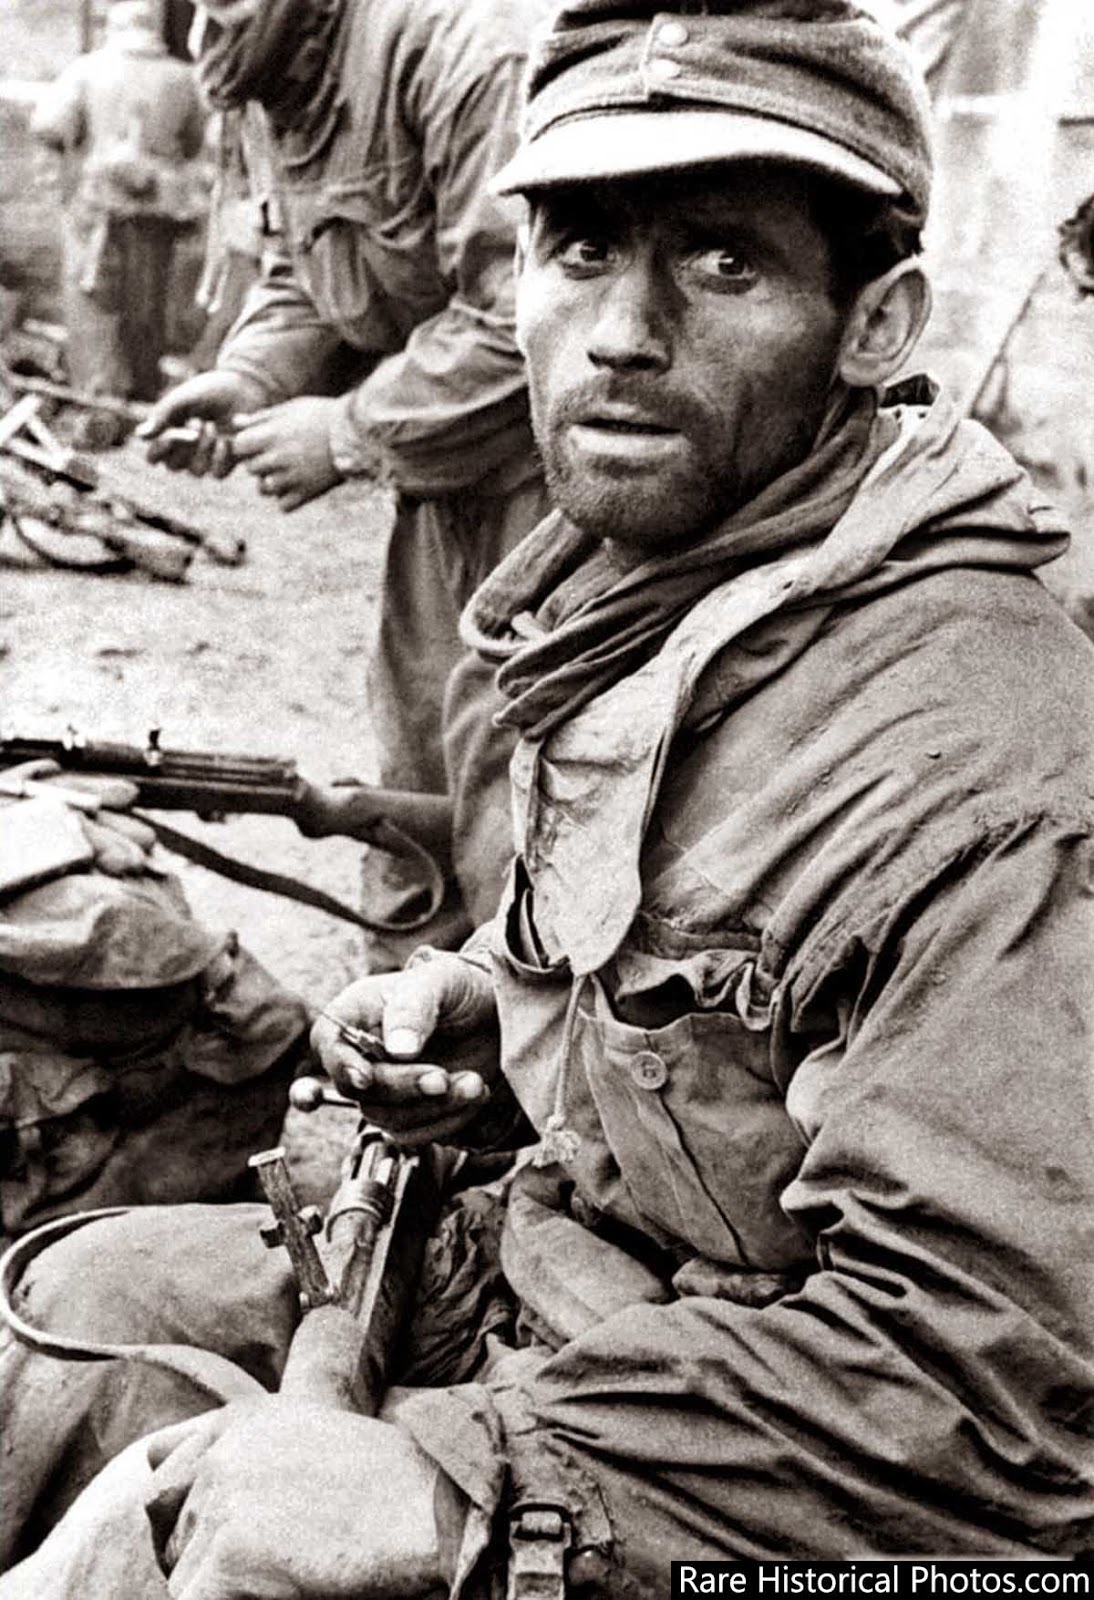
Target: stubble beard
pixel 630 512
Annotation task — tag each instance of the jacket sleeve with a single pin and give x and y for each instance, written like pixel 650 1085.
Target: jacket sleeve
pixel 931 1386
pixel 451 406
pixel 279 340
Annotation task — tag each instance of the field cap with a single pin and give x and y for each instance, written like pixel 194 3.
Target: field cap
pixel 620 89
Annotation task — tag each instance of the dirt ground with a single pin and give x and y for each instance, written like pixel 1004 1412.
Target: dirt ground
pixel 265 659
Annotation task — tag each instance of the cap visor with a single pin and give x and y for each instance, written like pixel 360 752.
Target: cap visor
pixel 621 144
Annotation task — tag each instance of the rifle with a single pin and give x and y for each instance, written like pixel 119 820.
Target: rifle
pixel 41 475
pixel 214 786
pixel 355 1296
pixel 376 1229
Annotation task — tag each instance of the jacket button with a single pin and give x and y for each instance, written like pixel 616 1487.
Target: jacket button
pixel 672 35
pixel 648 1070
pixel 664 67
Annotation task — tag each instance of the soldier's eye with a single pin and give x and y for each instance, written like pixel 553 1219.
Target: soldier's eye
pixel 583 253
pixel 724 266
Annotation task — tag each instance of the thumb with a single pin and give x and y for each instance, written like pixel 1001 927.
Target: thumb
pixel 174 407
pixel 412 1006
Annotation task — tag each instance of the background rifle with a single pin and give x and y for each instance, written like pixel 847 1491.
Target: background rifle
pixel 158 542
pixel 31 500
pixel 214 785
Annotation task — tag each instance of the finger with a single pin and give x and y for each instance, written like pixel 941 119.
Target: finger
pixel 170 453
pixel 35 770
pixel 117 794
pixel 393 1084
pixel 161 416
pixel 165 1441
pixel 173 1480
pixel 202 456
pixel 293 499
pixel 250 442
pixel 244 419
pixel 224 457
pixel 347 1069
pixel 467 1087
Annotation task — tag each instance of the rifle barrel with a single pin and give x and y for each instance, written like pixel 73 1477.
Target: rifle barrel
pixel 215 785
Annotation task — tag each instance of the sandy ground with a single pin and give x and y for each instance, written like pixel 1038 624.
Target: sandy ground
pixel 265 659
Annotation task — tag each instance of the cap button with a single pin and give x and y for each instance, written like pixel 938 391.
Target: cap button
pixel 664 68
pixel 672 35
pixel 648 1071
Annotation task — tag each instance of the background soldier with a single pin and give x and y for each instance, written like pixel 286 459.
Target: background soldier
pixel 129 123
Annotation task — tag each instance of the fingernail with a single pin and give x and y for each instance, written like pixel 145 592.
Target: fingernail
pixel 468 1086
pixel 359 1077
pixel 403 1042
pixel 434 1082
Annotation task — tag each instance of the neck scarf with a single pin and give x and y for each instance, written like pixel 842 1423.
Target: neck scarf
pixel 621 620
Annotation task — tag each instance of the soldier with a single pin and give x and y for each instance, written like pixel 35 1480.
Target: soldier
pixel 129 122
pixel 790 982
pixel 380 345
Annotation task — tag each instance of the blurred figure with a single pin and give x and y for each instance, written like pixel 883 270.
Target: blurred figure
pixel 379 344
pixel 128 122
pixel 237 229
pixel 1013 88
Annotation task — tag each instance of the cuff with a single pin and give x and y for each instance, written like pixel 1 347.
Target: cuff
pixel 271 393
pixel 354 453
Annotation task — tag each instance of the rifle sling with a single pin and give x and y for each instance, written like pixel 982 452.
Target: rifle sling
pixel 204 855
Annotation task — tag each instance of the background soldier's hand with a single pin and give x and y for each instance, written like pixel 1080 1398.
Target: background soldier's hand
pixel 287 449
pixel 283 1497
pixel 212 398
pixel 442 1010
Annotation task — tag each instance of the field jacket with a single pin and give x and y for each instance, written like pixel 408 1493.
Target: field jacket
pixel 794 983
pixel 132 118
pixel 397 255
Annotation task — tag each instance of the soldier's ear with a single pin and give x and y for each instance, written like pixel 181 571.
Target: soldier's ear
pixel 520 256
pixel 886 320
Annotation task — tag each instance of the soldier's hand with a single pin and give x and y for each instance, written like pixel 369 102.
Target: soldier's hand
pixel 286 448
pixel 438 1023
pixel 272 1499
pixel 189 429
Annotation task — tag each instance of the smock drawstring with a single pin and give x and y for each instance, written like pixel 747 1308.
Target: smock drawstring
pixel 558 1143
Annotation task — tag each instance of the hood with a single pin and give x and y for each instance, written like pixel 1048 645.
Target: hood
pixel 934 492
pixel 892 487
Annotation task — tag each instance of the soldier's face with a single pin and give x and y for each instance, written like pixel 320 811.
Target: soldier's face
pixel 681 337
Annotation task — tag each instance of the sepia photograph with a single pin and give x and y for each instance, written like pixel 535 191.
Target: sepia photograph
pixel 546 799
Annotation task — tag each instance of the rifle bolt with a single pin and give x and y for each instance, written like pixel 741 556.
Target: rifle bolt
pixel 308 1094
pixel 311 1219
pixel 271 1234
